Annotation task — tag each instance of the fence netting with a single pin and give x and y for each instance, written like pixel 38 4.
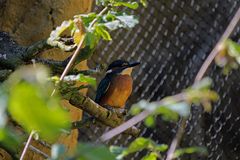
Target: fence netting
pixel 172 41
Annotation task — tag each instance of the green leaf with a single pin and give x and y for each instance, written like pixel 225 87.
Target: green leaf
pixel 116 150
pixel 91 40
pixel 88 79
pixel 102 32
pixel 135 109
pixel 79 78
pixel 31 105
pixel 233 50
pixel 161 147
pixel 87 18
pixel 182 108
pixel 138 145
pixel 9 139
pixel 190 150
pixel 113 25
pixel 132 5
pixel 149 121
pixel 151 156
pixel 167 114
pixel 93 152
pixel 128 21
pixel 205 83
pixel 102 2
pixel 115 20
pixel 144 2
pixel 86 53
pixel 170 110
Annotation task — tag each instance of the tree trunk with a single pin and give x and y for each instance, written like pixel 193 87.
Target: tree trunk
pixel 29 21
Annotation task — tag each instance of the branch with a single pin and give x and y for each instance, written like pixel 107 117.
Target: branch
pixel 102 114
pixel 176 140
pixel 134 131
pixel 4 74
pixel 55 65
pixel 34 49
pixel 218 47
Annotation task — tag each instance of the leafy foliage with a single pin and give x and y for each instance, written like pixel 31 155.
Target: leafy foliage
pixel 138 145
pixel 122 3
pixel 190 150
pixel 171 108
pixel 82 78
pixel 169 111
pixel 8 139
pixel 84 151
pixel 90 28
pixel 31 105
pixel 229 56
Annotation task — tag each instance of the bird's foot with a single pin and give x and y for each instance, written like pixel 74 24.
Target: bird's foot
pixel 119 111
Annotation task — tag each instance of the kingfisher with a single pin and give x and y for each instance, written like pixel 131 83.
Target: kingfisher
pixel 115 88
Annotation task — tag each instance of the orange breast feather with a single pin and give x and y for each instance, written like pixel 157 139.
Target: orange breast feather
pixel 118 91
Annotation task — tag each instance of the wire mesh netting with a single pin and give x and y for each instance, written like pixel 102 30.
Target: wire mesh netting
pixel 172 41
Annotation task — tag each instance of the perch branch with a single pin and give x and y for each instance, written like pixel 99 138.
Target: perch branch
pixel 103 115
pixel 83 123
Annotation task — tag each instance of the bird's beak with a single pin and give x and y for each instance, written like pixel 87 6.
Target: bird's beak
pixel 133 64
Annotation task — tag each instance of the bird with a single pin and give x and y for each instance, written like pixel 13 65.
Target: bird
pixel 116 87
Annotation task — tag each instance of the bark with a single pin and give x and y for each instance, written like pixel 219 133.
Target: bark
pixel 107 117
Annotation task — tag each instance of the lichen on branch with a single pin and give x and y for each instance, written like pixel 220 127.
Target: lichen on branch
pixel 103 115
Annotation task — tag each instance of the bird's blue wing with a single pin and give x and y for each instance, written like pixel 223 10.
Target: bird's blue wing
pixel 102 88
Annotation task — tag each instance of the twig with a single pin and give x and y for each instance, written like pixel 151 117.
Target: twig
pixel 128 124
pixel 232 25
pixel 38 151
pixel 72 60
pixel 100 14
pixel 218 47
pixel 175 142
pixel 27 144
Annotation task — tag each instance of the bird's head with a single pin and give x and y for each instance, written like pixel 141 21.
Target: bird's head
pixel 121 67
